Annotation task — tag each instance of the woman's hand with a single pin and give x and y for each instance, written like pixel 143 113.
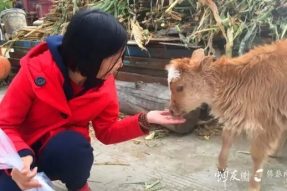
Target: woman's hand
pixel 163 118
pixel 24 178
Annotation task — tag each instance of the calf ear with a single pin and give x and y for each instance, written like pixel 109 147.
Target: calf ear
pixel 196 58
pixel 198 55
pixel 205 63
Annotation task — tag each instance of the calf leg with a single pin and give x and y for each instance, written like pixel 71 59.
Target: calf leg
pixel 259 153
pixel 261 147
pixel 227 140
pixel 281 143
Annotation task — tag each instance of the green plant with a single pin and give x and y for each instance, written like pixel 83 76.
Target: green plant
pixel 5 4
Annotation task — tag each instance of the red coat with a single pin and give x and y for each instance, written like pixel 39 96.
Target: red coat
pixel 29 112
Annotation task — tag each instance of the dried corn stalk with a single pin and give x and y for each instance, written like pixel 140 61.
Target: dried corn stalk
pixel 140 35
pixel 235 25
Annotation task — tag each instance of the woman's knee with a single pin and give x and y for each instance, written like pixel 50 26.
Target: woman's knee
pixel 68 156
pixel 6 183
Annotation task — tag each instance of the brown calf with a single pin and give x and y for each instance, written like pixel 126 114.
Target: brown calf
pixel 246 93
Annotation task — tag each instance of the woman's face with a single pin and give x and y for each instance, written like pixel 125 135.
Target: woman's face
pixel 111 65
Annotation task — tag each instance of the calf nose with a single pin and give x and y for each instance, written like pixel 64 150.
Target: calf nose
pixel 171 111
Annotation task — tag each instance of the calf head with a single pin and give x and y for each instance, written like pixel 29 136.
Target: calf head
pixel 187 83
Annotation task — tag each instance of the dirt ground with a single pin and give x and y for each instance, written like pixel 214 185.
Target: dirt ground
pixel 177 163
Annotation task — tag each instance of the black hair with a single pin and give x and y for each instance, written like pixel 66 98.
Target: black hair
pixel 91 36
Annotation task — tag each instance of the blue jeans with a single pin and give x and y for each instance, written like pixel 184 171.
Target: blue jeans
pixel 67 157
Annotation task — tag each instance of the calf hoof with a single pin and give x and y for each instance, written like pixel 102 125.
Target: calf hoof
pixel 221 170
pixel 253 189
pixel 254 185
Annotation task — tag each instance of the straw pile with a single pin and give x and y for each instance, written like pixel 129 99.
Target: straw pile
pixel 235 25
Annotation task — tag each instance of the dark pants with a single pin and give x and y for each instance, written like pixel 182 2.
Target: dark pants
pixel 67 157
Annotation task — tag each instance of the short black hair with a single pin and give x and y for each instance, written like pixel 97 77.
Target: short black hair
pixel 91 36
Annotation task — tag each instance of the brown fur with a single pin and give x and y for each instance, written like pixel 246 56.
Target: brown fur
pixel 247 93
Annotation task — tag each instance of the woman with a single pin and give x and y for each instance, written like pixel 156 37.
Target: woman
pixel 64 84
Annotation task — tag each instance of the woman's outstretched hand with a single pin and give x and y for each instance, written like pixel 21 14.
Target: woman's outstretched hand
pixel 163 118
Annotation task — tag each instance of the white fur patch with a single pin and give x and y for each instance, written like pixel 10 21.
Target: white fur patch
pixel 172 74
pixel 256 179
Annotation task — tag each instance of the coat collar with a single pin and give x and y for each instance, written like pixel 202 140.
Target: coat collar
pixel 48 81
pixel 45 77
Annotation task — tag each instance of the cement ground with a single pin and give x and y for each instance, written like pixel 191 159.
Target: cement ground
pixel 177 163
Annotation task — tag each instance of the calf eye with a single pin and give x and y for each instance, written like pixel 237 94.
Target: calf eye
pixel 179 88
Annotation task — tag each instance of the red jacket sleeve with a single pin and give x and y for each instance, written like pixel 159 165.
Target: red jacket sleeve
pixel 14 107
pixel 110 130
